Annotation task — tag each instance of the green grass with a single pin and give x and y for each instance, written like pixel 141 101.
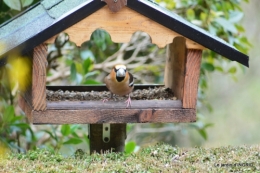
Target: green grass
pixel 157 158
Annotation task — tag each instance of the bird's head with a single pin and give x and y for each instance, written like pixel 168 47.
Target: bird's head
pixel 120 71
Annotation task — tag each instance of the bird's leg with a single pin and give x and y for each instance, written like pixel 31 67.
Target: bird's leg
pixel 111 97
pixel 128 101
pixel 104 100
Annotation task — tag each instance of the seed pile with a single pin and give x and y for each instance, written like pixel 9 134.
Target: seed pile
pixel 160 93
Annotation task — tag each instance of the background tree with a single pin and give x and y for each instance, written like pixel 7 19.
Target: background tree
pixel 90 63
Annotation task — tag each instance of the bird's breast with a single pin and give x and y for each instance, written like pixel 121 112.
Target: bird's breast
pixel 119 88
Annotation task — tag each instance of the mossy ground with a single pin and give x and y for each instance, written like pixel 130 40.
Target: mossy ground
pixel 156 158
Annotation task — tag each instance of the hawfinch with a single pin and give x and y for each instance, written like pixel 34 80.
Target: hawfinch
pixel 120 82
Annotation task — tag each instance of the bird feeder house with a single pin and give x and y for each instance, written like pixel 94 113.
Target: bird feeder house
pixel 33 29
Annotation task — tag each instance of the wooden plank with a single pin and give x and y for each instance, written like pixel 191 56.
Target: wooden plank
pixel 175 66
pixel 26 107
pixel 39 77
pixel 35 95
pixel 121 26
pixel 192 78
pixel 116 142
pixel 115 5
pixel 136 104
pixel 99 116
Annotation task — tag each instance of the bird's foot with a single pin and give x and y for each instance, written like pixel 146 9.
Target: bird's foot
pixel 128 101
pixel 105 100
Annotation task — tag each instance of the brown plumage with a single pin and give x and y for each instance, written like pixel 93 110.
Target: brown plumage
pixel 120 82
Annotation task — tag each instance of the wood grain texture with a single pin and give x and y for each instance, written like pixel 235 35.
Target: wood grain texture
pixel 140 104
pixel 117 138
pixel 192 78
pixel 100 116
pixel 115 5
pixel 121 26
pixel 39 77
pixel 175 66
pixel 26 107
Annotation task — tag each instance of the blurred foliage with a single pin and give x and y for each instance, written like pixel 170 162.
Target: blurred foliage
pixel 15 76
pixel 63 137
pixel 220 18
pixel 80 60
pixel 10 8
pixel 13 127
pixel 90 62
pixel 15 130
pixel 19 73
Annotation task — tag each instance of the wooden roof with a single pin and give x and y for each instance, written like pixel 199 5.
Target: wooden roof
pixel 50 17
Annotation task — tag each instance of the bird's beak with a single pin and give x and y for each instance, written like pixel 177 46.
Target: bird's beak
pixel 120 73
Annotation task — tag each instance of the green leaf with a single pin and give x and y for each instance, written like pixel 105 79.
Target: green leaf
pixel 75 127
pixel 234 78
pixel 232 70
pixel 73 141
pixel 91 81
pixel 86 65
pixel 89 74
pixel 241 47
pixel 208 125
pixel 130 147
pixel 50 133
pixel 203 16
pixel 86 138
pixel 13 4
pixel 240 28
pixel 26 3
pixel 212 29
pixel 203 83
pixel 8 114
pixel 208 66
pixel 99 37
pixel 68 62
pixel 22 125
pixel 87 54
pixel 79 68
pixel 220 69
pixel 65 130
pixel 235 16
pixel 21 128
pixel 73 71
pixel 17 118
pixel 203 133
pixel 190 14
pixel 79 78
pixel 227 25
pixel 244 40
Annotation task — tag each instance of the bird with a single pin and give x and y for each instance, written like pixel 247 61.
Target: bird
pixel 121 82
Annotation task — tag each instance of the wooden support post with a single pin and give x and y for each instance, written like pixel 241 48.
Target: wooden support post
pixel 39 77
pixel 192 74
pixel 35 95
pixel 182 72
pixel 116 143
pixel 175 66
